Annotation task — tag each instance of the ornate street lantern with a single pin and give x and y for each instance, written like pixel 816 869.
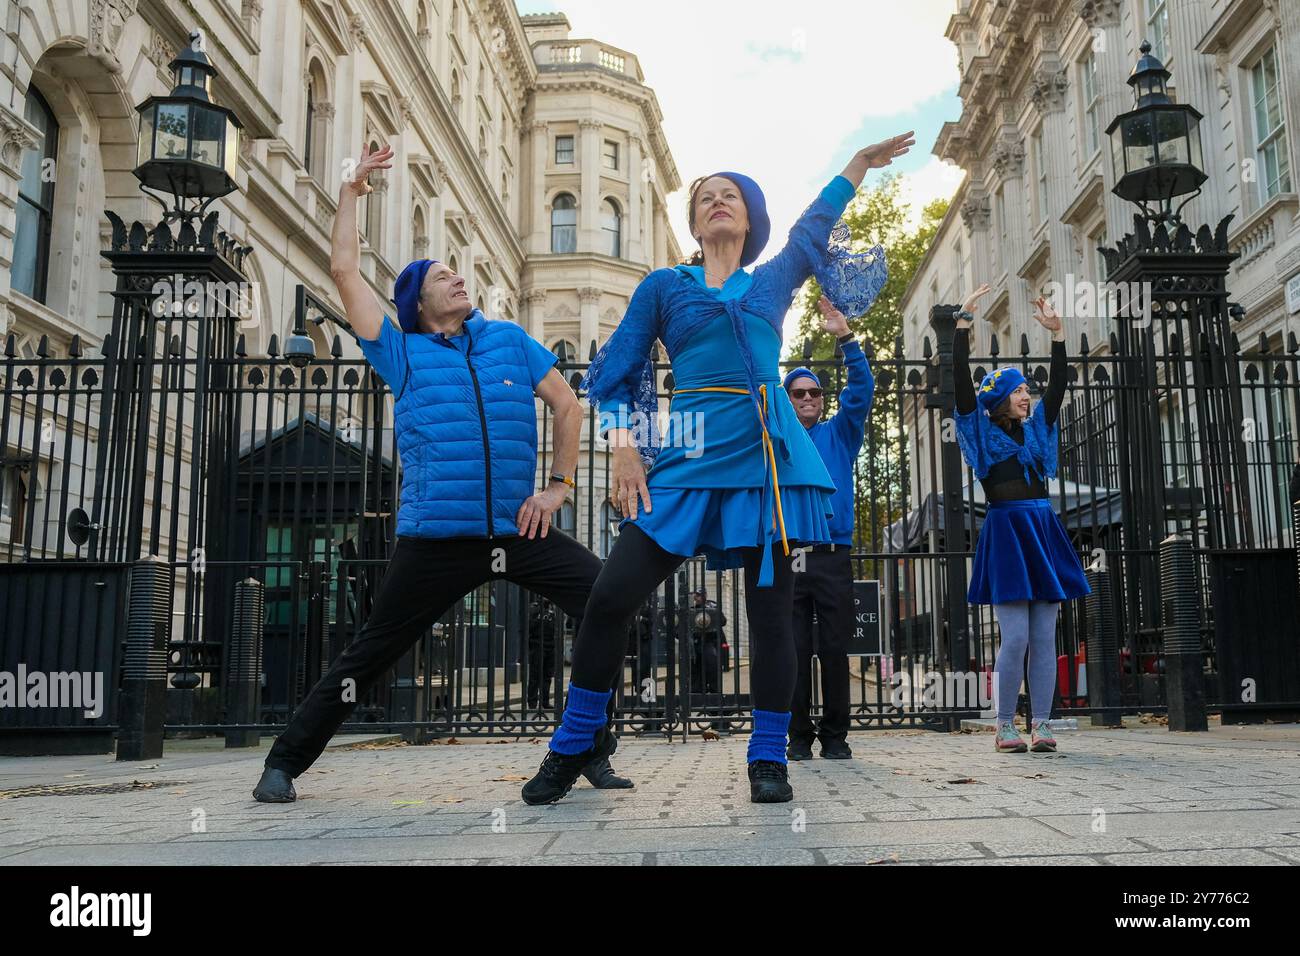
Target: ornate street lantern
pixel 187 145
pixel 1156 147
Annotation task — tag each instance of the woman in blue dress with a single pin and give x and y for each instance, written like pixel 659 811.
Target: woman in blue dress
pixel 1024 563
pixel 736 477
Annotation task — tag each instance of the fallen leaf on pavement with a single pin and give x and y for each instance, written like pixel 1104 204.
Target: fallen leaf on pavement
pixel 509 778
pixel 964 780
pixel 710 735
pixel 892 858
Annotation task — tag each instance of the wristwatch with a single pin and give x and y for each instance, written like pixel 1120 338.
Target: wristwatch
pixel 845 339
pixel 555 476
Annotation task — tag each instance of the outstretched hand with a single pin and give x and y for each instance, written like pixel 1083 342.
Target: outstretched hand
pixel 971 304
pixel 833 320
pixel 881 154
pixel 358 182
pixel 1047 317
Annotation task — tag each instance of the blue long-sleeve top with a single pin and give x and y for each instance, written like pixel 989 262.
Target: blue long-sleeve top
pixel 839 439
pixel 727 336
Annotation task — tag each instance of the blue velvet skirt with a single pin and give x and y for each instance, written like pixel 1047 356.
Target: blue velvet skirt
pixel 1024 554
pixel 719 522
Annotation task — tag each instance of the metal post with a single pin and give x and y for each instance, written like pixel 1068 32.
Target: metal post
pixel 1103 650
pixel 1295 517
pixel 944 397
pixel 1184 683
pixel 245 666
pixel 144 662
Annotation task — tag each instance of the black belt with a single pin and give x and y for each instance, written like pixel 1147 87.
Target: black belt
pixel 829 547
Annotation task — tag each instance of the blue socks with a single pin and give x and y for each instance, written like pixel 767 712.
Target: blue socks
pixel 584 715
pixel 768 740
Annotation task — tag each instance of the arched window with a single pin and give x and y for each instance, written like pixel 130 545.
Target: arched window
pixel 316 125
pixel 565 350
pixel 564 224
pixel 373 219
pixel 35 208
pixel 566 519
pixel 611 223
pixel 419 237
pixel 609 520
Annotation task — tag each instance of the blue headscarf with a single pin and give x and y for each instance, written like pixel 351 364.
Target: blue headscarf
pixel 800 372
pixel 406 293
pixel 760 226
pixel 997 385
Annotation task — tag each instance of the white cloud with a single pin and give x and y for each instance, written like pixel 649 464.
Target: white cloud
pixel 936 180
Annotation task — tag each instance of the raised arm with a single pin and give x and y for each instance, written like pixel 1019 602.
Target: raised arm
pixel 810 233
pixel 963 383
pixel 855 399
pixel 1055 394
pixel 359 302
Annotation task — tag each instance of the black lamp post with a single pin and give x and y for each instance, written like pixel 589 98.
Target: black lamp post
pixel 1156 147
pixel 187 145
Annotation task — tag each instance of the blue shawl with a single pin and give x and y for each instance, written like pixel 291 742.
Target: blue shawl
pixel 984 444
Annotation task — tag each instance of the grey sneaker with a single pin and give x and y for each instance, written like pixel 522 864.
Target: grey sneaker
pixel 1008 739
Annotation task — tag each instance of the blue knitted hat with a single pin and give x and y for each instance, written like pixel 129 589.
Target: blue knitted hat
pixel 760 227
pixel 997 385
pixel 406 293
pixel 800 372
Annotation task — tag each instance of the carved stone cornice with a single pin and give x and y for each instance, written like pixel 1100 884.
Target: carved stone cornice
pixel 1098 14
pixel 1047 90
pixel 107 22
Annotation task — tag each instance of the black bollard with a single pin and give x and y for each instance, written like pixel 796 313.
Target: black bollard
pixel 244 670
pixel 143 701
pixel 1184 680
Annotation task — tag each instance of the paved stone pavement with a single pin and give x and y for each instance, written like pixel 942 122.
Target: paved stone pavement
pixel 1111 797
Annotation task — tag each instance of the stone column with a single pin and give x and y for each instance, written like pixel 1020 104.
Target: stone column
pixel 636 177
pixel 589 202
pixel 1047 91
pixel 534 318
pixel 661 237
pixel 1008 161
pixel 588 318
pixel 975 214
pixel 1195 82
pixel 539 145
pixel 1114 63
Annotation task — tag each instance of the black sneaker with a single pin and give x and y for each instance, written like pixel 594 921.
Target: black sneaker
pixel 602 776
pixel 836 750
pixel 798 750
pixel 559 772
pixel 768 782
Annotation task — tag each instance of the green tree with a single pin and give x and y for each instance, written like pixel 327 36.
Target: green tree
pixel 878 215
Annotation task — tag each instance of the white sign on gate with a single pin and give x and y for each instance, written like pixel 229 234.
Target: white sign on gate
pixel 1293 294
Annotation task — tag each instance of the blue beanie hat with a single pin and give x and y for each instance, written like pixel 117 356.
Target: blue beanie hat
pixel 997 385
pixel 406 293
pixel 800 372
pixel 760 227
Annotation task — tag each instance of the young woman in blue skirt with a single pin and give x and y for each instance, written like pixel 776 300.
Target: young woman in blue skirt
pixel 745 482
pixel 1024 563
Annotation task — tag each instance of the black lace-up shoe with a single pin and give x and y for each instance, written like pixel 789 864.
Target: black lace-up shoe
pixel 559 772
pixel 798 750
pixel 768 783
pixel 602 776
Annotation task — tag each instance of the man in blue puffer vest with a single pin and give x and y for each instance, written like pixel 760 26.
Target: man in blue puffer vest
pixel 466 428
pixel 826 584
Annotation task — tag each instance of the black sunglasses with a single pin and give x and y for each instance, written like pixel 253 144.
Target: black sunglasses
pixel 809 392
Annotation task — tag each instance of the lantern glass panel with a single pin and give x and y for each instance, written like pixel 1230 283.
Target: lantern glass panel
pixel 1138 143
pixel 1195 156
pixel 209 136
pixel 232 149
pixel 173 123
pixel 1171 137
pixel 144 151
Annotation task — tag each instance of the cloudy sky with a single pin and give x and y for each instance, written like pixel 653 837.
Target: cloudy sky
pixel 786 92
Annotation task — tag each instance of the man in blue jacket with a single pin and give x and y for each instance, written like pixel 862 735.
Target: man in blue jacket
pixel 466 428
pixel 826 584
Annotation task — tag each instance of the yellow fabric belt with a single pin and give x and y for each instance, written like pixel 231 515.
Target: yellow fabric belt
pixel 769 451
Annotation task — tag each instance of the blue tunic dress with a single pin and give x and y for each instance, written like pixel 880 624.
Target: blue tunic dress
pixel 718 495
pixel 706 485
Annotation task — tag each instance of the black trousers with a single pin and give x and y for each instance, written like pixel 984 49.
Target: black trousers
pixel 635 567
pixel 826 586
pixel 425 578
